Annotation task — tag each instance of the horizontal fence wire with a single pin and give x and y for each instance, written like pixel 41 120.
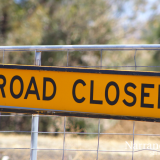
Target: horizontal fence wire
pixel 68 49
pixel 82 150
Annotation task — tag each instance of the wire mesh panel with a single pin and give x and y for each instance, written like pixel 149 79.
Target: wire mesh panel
pixel 39 137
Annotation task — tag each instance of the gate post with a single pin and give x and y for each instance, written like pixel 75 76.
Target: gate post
pixel 35 120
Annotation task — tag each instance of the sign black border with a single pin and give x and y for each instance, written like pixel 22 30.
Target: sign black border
pixel 81 70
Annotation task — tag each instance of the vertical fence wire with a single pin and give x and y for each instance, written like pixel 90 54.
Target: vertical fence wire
pixel 35 57
pixel 3 55
pixel 99 118
pixel 3 63
pixel 67 58
pixel 98 138
pixel 101 59
pixel 64 129
pixel 135 60
pixel 134 121
pixel 133 141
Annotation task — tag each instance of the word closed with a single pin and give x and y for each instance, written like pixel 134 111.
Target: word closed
pixel 91 91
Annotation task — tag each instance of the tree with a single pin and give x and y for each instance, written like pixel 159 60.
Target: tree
pixel 151 34
pixel 61 23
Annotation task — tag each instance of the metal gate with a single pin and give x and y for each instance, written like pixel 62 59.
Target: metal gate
pixel 96 151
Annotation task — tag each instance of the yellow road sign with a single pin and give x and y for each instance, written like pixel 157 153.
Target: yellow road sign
pixel 112 93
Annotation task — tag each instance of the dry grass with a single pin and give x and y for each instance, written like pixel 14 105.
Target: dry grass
pixel 107 142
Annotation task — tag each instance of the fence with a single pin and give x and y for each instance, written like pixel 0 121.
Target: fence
pixel 63 148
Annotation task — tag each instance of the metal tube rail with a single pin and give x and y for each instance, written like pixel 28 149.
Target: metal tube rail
pixel 40 48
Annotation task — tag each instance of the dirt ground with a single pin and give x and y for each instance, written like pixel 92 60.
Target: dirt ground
pixel 106 142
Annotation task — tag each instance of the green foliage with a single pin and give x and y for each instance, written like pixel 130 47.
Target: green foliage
pixel 15 122
pixel 76 125
pixel 81 125
pixel 56 23
pixel 152 35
